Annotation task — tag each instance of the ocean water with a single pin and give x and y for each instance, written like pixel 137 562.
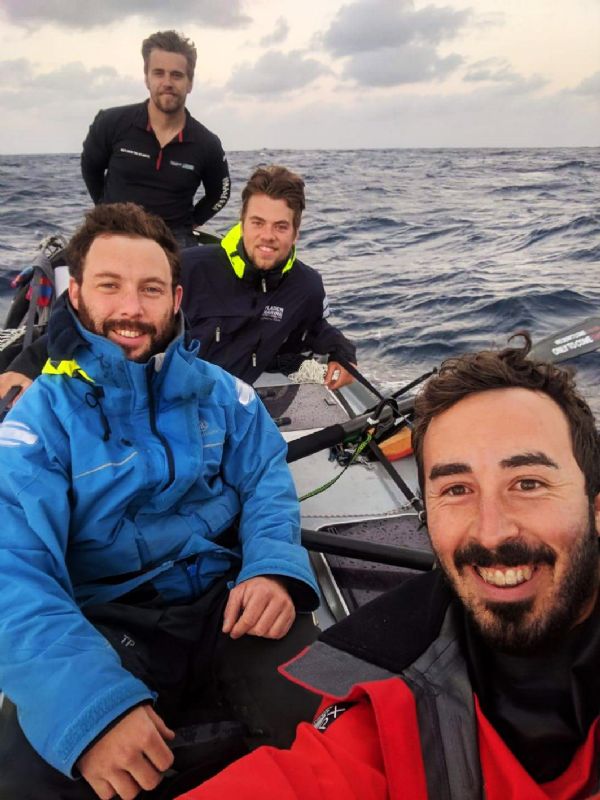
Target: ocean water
pixel 424 253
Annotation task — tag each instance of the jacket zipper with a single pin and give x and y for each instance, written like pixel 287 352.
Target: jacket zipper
pixel 156 432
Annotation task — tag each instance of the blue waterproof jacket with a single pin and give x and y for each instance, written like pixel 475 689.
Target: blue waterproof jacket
pixel 112 467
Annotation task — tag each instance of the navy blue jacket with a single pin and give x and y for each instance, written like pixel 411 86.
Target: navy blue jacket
pixel 247 324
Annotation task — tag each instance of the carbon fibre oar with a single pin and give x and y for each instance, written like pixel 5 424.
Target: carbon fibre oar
pixel 396 555
pixel 581 338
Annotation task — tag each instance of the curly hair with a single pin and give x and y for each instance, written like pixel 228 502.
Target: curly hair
pixel 464 375
pixel 125 219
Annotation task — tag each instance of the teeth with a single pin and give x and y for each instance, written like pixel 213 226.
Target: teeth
pixel 508 577
pixel 128 334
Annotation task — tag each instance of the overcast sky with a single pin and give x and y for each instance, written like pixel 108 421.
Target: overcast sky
pixel 313 73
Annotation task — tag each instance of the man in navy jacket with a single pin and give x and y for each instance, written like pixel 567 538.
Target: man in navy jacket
pixel 251 303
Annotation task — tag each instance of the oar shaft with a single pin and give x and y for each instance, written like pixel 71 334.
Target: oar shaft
pixel 333 544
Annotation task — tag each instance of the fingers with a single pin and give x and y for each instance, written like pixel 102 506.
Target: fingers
pixel 232 608
pixel 266 609
pixel 130 757
pixel 337 376
pixel 161 727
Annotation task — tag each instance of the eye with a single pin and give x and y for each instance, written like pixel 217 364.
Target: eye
pixel 107 286
pixel 529 484
pixel 456 490
pixel 153 291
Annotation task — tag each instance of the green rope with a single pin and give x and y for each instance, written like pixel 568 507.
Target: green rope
pixel 359 448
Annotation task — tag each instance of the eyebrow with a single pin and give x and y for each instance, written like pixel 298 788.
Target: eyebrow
pixel 529 460
pixel 258 218
pixel 442 470
pixel 518 460
pixel 118 276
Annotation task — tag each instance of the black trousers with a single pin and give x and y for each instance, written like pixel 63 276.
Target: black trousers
pixel 223 696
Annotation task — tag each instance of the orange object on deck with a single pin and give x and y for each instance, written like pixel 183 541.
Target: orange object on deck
pixel 398 446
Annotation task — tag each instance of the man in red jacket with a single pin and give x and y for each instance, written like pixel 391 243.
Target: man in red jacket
pixel 479 679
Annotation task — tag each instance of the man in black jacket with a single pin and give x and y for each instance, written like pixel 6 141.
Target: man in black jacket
pixel 252 304
pixel 250 301
pixel 155 153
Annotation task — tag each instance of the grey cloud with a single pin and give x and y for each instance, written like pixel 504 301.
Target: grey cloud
pixel 278 35
pixel 85 15
pixel 491 69
pixel 276 73
pixel 375 24
pixel 589 86
pixel 400 65
pixel 65 86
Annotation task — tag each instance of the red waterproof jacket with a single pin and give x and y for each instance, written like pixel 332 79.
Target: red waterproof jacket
pixel 405 726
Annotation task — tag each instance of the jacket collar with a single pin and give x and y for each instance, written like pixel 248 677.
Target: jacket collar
pixel 233 245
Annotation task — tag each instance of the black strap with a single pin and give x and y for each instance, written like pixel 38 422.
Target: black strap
pixel 412 498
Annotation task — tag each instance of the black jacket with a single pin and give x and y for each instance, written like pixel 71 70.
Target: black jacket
pixel 163 180
pixel 249 324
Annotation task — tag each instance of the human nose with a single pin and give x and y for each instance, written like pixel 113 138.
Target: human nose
pixel 268 233
pixel 130 304
pixel 495 521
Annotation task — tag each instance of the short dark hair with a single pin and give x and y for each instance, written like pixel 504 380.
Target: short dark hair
pixel 510 368
pixel 171 42
pixel 279 183
pixel 127 219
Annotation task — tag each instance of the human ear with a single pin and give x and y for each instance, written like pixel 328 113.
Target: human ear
pixel 74 290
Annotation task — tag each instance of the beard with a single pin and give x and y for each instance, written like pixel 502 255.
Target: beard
pixel 516 627
pixel 160 337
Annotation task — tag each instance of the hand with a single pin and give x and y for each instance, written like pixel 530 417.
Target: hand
pixel 132 756
pixel 259 606
pixel 10 379
pixel 336 381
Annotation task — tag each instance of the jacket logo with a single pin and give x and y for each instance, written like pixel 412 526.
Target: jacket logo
pixel 15 434
pixel 325 718
pixel 181 164
pixel 134 152
pixel 274 313
pixel 203 425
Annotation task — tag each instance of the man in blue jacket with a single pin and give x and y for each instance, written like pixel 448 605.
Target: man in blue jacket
pixel 149 549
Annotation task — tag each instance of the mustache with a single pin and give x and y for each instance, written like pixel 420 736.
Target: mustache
pixel 511 553
pixel 137 327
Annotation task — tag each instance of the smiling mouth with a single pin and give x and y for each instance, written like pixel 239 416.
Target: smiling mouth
pixel 127 333
pixel 511 576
